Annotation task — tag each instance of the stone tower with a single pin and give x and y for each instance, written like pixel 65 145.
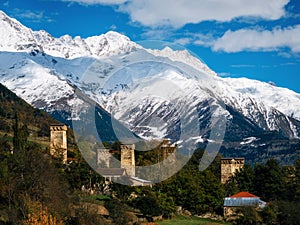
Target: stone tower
pixel 127 159
pixel 229 166
pixel 103 158
pixel 168 151
pixel 58 141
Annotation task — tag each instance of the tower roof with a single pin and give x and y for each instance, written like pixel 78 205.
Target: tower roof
pixel 240 158
pixel 243 194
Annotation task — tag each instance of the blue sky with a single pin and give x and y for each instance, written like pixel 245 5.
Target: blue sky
pixel 236 38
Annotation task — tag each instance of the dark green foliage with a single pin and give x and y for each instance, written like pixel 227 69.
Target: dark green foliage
pixel 194 190
pixel 277 185
pixel 246 179
pixel 153 203
pixel 5 148
pixel 24 182
pixel 116 145
pixel 30 180
pixel 121 191
pixel 269 214
pixel 288 213
pixel 167 206
pixel 20 135
pixel 250 216
pixel 4 125
pixel 242 181
pixel 148 204
pixel 82 217
pixel 265 180
pixel 79 173
pixel 11 104
pixel 269 181
pixel 297 181
pixel 117 211
pixel 44 130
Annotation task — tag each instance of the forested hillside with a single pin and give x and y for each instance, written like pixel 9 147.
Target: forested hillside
pixel 11 105
pixel 35 188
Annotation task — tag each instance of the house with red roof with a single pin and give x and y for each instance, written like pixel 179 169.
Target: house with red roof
pixel 241 199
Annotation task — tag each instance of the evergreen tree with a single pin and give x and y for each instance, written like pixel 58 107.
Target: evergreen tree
pixel 269 181
pixel 20 135
pixel 297 180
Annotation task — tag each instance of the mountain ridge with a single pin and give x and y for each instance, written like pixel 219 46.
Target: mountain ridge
pixel 47 72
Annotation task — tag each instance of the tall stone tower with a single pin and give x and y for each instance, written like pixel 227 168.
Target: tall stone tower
pixel 127 159
pixel 168 151
pixel 229 166
pixel 58 141
pixel 103 158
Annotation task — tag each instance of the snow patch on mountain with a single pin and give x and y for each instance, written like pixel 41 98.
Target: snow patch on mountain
pixel 248 140
pixel 182 56
pixel 282 99
pixel 31 81
pixel 14 36
pixel 118 73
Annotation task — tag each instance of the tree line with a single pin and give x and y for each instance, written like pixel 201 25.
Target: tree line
pixel 35 187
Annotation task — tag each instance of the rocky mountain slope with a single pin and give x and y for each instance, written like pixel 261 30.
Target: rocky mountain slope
pixel 154 93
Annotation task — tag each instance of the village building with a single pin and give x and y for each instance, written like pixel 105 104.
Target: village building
pixel 112 174
pixel 125 170
pixel 135 181
pixel 241 199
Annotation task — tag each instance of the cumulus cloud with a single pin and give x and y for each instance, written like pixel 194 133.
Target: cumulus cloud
pixel 259 40
pixel 204 39
pixel 180 12
pixel 156 13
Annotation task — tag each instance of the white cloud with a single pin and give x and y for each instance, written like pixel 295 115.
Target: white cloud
pixel 99 2
pixel 113 27
pixel 183 41
pixel 242 66
pixel 259 40
pixel 157 34
pixel 31 15
pixel 204 39
pixel 285 55
pixel 177 13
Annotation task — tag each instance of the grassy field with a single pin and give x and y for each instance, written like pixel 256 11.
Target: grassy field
pixel 181 220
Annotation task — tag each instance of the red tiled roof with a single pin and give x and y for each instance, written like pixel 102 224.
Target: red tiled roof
pixel 243 194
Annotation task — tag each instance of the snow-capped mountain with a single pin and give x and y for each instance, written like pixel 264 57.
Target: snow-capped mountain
pixel 16 37
pixel 155 93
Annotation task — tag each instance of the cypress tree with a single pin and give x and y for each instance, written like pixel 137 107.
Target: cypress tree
pixel 20 135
